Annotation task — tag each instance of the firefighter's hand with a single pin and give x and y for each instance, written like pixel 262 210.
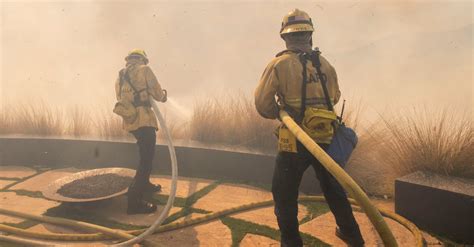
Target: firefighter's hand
pixel 165 96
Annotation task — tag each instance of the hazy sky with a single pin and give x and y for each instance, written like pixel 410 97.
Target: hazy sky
pixel 386 53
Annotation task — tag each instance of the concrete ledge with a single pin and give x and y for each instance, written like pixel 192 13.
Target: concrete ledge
pixel 193 161
pixel 444 205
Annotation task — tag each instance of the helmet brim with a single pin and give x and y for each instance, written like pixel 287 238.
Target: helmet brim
pixel 297 28
pixel 137 56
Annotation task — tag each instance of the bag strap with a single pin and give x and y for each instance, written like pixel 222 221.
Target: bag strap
pixel 124 76
pixel 303 85
pixel 322 77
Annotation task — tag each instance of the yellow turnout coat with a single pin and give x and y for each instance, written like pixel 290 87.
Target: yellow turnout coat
pixel 142 77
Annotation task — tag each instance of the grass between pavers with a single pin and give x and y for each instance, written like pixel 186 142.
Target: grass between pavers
pixel 183 213
pixel 186 203
pixel 315 209
pixel 38 172
pixel 33 194
pixel 9 179
pixel 263 186
pixel 70 212
pixel 162 199
pixel 200 193
pixel 239 228
pixel 73 213
pixel 23 225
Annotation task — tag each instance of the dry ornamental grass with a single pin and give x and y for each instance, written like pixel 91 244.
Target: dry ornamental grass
pixel 440 141
pixel 397 144
pixel 232 120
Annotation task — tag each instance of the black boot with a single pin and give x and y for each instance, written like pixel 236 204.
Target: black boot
pixel 141 207
pixel 291 243
pixel 353 241
pixel 152 187
pixel 136 202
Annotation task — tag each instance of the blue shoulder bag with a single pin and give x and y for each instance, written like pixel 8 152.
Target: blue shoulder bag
pixel 345 139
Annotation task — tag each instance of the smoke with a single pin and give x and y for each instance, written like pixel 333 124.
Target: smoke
pixel 400 53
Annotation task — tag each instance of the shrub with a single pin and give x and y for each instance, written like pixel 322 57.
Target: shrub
pixel 232 120
pixel 439 141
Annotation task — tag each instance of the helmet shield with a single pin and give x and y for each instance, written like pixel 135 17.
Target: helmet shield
pixel 137 53
pixel 296 21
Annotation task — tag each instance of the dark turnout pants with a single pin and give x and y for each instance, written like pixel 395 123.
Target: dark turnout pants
pixel 146 141
pixel 287 176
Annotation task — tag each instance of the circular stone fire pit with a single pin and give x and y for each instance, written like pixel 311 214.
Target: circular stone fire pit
pixel 90 185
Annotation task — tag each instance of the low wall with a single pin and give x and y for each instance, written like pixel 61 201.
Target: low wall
pixel 440 204
pixel 192 161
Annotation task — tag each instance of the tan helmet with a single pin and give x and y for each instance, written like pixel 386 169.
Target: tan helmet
pixel 137 53
pixel 296 21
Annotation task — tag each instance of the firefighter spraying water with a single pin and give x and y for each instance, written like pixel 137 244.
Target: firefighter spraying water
pixel 136 86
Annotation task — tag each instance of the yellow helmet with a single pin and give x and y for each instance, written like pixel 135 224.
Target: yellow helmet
pixel 137 53
pixel 296 21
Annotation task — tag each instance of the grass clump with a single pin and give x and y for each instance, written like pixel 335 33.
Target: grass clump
pixel 439 141
pixel 37 118
pixel 109 126
pixel 436 141
pixel 5 120
pixel 78 122
pixel 233 121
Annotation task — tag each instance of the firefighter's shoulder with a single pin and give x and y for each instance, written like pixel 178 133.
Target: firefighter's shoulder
pixel 144 68
pixel 284 58
pixel 325 63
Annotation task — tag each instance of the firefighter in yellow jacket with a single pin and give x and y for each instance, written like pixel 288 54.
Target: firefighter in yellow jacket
pixel 137 84
pixel 283 78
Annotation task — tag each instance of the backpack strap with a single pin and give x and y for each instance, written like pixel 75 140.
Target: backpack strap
pixel 304 83
pixel 322 77
pixel 125 78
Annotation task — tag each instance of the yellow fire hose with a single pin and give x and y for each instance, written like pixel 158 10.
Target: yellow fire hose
pixel 71 223
pixel 104 233
pixel 172 226
pixel 343 178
